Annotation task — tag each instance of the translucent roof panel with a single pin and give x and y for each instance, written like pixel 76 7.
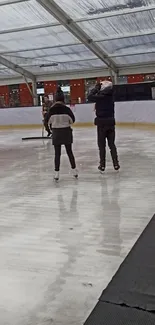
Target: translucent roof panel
pixel 118 25
pixel 31 37
pixel 58 54
pixel 129 45
pixel 77 65
pixel 136 59
pixel 89 8
pixel 57 35
pixel 24 14
pixel 4 72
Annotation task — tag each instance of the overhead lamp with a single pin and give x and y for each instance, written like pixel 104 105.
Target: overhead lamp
pixel 49 65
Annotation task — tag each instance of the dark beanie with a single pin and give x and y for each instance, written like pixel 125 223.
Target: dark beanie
pixel 59 96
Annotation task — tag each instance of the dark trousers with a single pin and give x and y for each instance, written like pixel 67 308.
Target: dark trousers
pixel 103 133
pixel 46 125
pixel 58 156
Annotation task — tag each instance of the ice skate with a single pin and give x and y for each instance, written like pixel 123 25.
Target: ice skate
pixel 56 176
pixel 75 173
pixel 117 167
pixel 101 169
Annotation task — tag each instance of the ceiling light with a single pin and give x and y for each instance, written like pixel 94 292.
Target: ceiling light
pixel 48 65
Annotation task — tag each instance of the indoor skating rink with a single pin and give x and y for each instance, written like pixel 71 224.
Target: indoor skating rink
pixel 61 244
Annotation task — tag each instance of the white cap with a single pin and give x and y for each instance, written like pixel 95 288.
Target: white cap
pixel 105 84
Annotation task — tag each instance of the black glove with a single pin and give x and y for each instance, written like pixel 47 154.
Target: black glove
pixel 59 90
pixel 98 86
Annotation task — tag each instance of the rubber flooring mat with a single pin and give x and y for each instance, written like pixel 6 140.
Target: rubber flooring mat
pixel 110 314
pixel 36 138
pixel 134 283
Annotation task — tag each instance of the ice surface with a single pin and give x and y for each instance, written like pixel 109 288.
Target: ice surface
pixel 60 244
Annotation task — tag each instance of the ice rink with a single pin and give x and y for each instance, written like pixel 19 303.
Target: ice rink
pixel 60 244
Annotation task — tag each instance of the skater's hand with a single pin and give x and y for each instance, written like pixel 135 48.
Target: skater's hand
pixel 98 86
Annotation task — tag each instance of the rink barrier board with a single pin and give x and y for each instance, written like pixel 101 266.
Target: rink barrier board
pixel 39 126
pixel 140 114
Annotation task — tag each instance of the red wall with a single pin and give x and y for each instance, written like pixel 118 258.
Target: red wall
pixel 50 87
pixel 99 79
pixel 135 78
pixel 25 96
pixel 77 90
pixel 4 92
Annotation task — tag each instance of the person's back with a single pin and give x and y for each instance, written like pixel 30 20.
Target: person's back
pixel 61 118
pixel 104 100
pixel 45 109
pixel 103 97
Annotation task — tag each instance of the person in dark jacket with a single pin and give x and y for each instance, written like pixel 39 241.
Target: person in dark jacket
pixel 61 118
pixel 45 109
pixel 102 96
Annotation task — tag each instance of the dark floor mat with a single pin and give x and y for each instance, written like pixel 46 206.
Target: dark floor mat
pixel 36 138
pixel 134 283
pixel 109 314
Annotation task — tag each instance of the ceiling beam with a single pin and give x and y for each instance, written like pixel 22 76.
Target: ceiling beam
pixel 106 38
pixel 96 72
pixel 11 2
pixel 27 28
pixel 51 7
pixel 81 74
pixel 40 48
pixel 60 63
pixel 17 68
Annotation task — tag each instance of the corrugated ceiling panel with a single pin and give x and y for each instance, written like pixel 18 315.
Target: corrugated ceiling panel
pixel 129 45
pixel 7 72
pixel 135 59
pixel 85 8
pixel 119 25
pixel 57 35
pixel 66 53
pixel 96 63
pixel 24 14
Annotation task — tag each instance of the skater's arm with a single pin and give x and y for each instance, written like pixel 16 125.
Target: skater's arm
pixel 107 91
pixel 71 116
pixel 48 116
pixel 43 111
pixel 93 93
pixel 96 94
pixel 46 119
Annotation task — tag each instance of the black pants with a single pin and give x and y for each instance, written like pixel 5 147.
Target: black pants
pixel 58 156
pixel 46 125
pixel 103 133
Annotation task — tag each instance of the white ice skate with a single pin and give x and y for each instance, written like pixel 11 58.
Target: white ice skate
pixel 75 173
pixel 56 176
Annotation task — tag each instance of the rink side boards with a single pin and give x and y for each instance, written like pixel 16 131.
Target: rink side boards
pixel 140 114
pixel 120 124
